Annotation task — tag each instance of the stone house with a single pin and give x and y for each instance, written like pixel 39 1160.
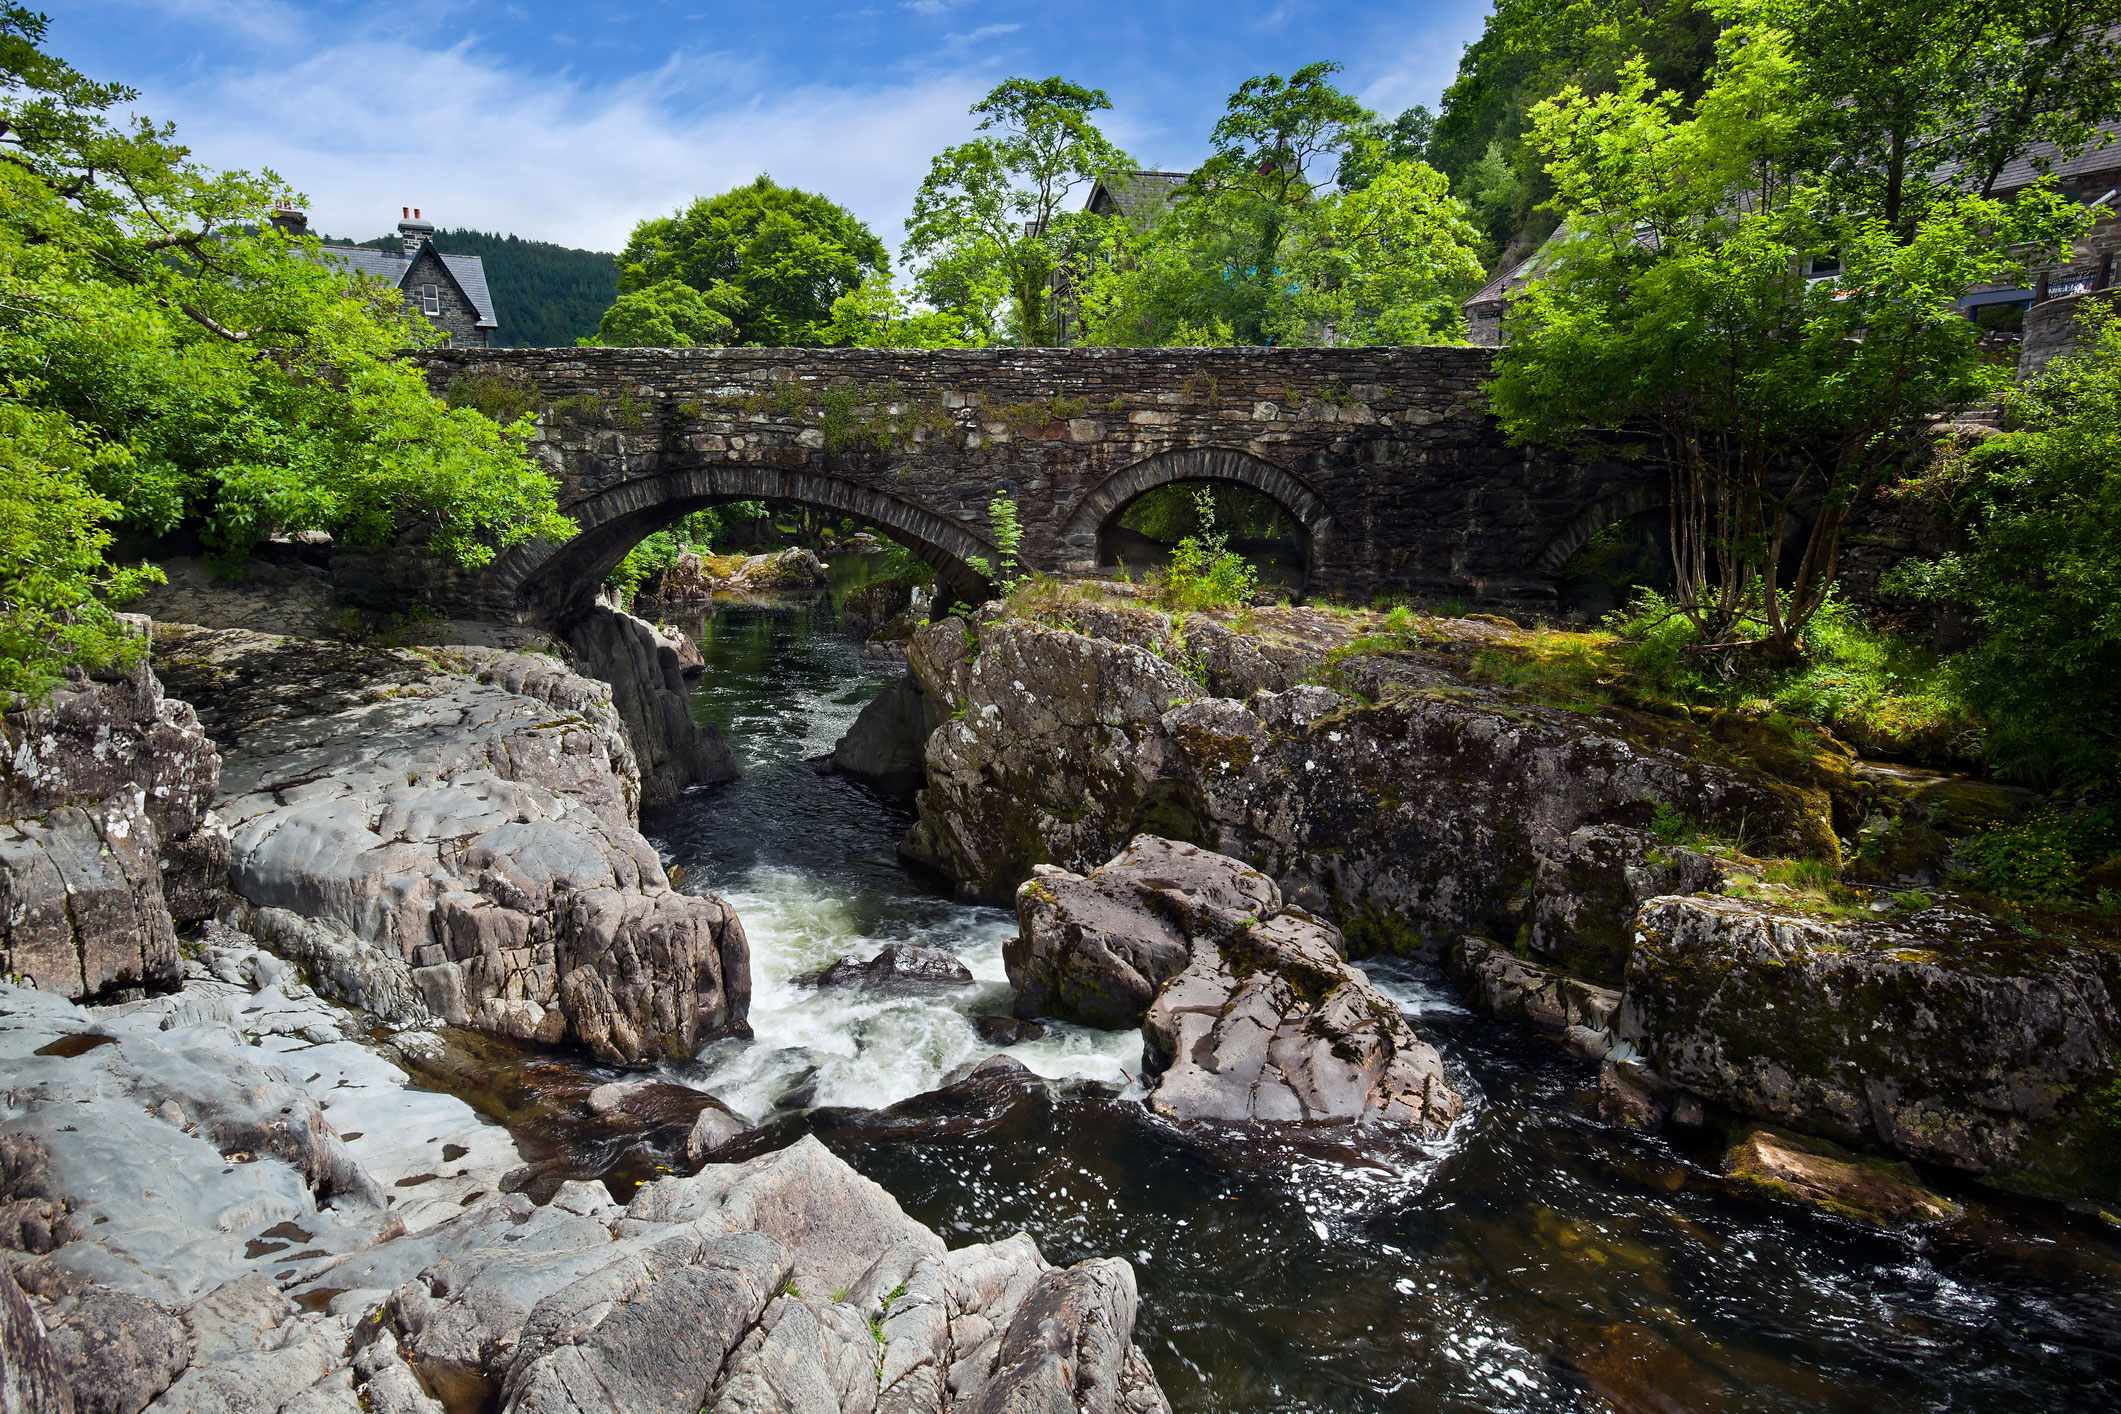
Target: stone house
pixel 449 290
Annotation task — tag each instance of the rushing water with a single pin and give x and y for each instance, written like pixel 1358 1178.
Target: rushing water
pixel 1534 1260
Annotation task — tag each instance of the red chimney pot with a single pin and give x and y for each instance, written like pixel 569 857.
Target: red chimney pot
pixel 405 213
pixel 416 213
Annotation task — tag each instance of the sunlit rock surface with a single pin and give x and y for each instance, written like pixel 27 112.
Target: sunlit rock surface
pixel 450 833
pixel 1249 1008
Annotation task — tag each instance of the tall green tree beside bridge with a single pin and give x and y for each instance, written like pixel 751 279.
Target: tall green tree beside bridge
pixel 773 259
pixel 1262 246
pixel 1784 349
pixel 169 357
pixel 991 227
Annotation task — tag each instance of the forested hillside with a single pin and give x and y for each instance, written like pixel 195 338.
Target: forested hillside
pixel 546 295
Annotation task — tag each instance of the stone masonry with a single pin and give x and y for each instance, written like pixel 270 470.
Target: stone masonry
pixel 1384 456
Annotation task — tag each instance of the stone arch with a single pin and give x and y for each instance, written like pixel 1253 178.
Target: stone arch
pixel 1304 505
pixel 548 581
pixel 1617 505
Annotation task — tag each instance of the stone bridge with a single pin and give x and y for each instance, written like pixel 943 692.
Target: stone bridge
pixel 1383 456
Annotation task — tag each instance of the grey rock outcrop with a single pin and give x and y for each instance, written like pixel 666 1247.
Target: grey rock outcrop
pixel 106 831
pixel 646 673
pixel 1412 806
pixel 1252 1012
pixel 1500 983
pixel 450 833
pixel 32 1381
pixel 887 745
pixel 1942 1036
pixel 899 967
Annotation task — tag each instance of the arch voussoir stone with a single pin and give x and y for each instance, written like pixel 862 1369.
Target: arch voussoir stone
pixel 1304 504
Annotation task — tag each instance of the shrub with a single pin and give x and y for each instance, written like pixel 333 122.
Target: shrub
pixel 1205 572
pixel 2044 856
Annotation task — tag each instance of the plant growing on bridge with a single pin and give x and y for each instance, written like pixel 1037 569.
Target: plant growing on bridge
pixel 992 217
pixel 169 356
pixel 1681 302
pixel 1008 534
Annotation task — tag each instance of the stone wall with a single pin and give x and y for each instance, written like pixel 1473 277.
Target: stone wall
pixel 2051 328
pixel 1385 456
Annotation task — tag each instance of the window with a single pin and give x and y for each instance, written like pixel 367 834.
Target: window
pixel 1823 266
pixel 430 299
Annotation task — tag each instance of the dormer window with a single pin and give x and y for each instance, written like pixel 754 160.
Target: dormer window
pixel 430 300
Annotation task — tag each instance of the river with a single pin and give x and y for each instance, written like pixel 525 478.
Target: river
pixel 1533 1260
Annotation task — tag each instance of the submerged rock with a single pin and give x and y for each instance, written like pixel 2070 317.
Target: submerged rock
pixel 1943 1036
pixel 1007 1030
pixel 107 832
pixel 450 834
pixel 1821 1175
pixel 1248 1008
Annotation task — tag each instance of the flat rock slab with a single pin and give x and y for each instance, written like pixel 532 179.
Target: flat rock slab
pixel 1779 1164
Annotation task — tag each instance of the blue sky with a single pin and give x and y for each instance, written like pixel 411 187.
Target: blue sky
pixel 570 122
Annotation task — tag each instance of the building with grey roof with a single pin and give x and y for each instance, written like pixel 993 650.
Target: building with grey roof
pixel 1142 197
pixel 448 290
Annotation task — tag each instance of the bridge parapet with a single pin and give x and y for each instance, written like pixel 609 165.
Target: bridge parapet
pixel 1384 455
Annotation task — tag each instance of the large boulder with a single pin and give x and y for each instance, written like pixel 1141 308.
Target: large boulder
pixel 1942 1035
pixel 695 578
pixel 1248 1008
pixel 887 745
pixel 646 671
pixel 450 834
pixel 1411 802
pixel 106 832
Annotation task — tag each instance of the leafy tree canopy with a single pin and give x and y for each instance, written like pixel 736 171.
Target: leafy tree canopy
pixel 168 356
pixel 772 258
pixel 990 224
pixel 874 315
pixel 1261 247
pixel 2041 569
pixel 667 315
pixel 1682 303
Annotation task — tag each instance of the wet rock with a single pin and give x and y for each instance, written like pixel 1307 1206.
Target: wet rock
pixel 450 834
pixel 646 674
pixel 106 831
pixel 715 1129
pixel 886 746
pixel 1588 884
pixel 686 653
pixel 1817 1174
pixel 1630 1096
pixel 1097 949
pixel 1942 1036
pixel 1007 1030
pixel 1413 804
pixel 866 609
pixel 1253 1012
pixel 1067 1343
pixel 899 967
pixel 1500 983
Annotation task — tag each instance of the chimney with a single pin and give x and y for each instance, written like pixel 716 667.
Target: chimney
pixel 413 232
pixel 291 219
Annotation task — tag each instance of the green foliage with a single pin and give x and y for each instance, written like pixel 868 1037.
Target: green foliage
pixel 771 258
pixel 2043 856
pixel 1528 51
pixel 1260 249
pixel 170 357
pixel 991 223
pixel 660 550
pixel 2041 567
pixel 1008 534
pixel 1172 511
pixel 504 397
pixel 1670 824
pixel 1204 572
pixel 873 315
pixel 1680 303
pixel 668 315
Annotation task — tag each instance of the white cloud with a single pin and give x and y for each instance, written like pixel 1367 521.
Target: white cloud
pixel 370 124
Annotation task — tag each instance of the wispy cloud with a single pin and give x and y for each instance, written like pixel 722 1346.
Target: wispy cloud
pixel 932 8
pixel 369 124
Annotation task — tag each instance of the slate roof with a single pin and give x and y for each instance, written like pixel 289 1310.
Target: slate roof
pixel 469 271
pixel 2104 154
pixel 1141 197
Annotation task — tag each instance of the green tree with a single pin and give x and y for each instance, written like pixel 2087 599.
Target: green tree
pixel 1913 103
pixel 665 315
pixel 874 315
pixel 1680 304
pixel 992 217
pixel 168 356
pixel 2041 567
pixel 773 258
pixel 1384 264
